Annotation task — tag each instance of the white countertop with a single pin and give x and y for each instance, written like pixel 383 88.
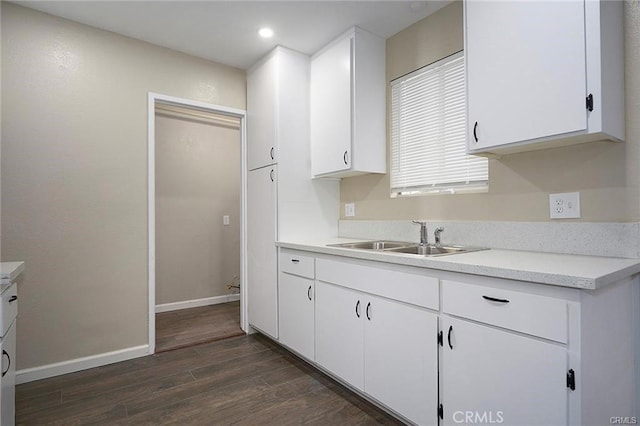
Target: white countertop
pixel 9 271
pixel 577 271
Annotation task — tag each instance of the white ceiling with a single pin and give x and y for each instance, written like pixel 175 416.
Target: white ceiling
pixel 226 31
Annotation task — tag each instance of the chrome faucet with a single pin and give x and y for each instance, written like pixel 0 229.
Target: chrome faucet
pixel 437 233
pixel 423 232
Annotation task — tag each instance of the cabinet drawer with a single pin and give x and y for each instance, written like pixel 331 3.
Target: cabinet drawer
pixel 527 313
pixel 404 284
pixel 9 308
pixel 298 264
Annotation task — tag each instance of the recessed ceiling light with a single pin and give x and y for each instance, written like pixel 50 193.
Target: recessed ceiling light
pixel 265 32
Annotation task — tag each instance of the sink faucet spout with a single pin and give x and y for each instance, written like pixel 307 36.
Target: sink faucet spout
pixel 423 232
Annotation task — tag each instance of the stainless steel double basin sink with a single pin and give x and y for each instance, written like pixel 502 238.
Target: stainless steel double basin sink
pixel 400 247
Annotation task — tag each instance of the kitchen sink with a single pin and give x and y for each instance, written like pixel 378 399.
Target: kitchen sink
pixel 373 245
pixel 431 250
pixel 400 247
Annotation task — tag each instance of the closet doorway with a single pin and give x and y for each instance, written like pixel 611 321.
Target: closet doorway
pixel 196 226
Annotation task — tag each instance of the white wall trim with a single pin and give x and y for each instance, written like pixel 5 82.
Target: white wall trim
pixel 78 364
pixel 151 205
pixel 195 303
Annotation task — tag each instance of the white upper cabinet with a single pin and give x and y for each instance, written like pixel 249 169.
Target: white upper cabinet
pixel 261 113
pixel 542 74
pixel 348 135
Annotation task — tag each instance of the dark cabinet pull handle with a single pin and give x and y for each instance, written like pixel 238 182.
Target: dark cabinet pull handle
pixel 271 153
pixel 309 292
pixel 449 336
pixel 295 260
pixel 271 175
pixel 495 299
pixel 358 309
pixel 475 136
pixel 344 157
pixel 13 298
pixel 8 366
pixel 368 311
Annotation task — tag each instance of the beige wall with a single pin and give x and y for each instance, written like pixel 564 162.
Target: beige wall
pixel 198 180
pixel 605 174
pixel 74 176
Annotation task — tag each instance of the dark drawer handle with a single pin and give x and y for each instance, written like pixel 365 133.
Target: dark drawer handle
pixel 309 293
pixel 358 309
pixel 8 366
pixel 13 298
pixel 475 127
pixel 495 299
pixel 449 336
pixel 271 153
pixel 295 260
pixel 369 311
pixel 344 158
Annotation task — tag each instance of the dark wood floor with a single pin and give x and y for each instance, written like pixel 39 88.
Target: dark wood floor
pixel 186 327
pixel 245 380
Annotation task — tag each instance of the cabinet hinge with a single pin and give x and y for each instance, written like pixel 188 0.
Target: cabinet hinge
pixel 440 411
pixel 590 102
pixel 571 379
pixel 440 338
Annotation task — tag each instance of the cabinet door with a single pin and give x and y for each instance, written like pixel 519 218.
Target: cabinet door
pixel 8 380
pixel 340 333
pixel 261 114
pixel 296 319
pixel 401 358
pixel 497 376
pixel 525 64
pixel 331 93
pixel 261 250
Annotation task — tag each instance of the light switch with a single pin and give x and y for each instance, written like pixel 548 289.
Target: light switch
pixel 225 220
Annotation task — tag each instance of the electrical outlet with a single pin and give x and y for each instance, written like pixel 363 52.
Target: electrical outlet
pixel 225 220
pixel 564 206
pixel 350 209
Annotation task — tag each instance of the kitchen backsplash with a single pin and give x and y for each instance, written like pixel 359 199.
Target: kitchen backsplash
pixel 595 239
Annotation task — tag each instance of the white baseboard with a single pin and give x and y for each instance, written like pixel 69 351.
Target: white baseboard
pixel 175 306
pixel 78 364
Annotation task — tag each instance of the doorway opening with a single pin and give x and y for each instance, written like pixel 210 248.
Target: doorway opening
pixel 196 222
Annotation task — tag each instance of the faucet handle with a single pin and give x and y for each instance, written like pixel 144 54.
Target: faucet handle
pixel 436 234
pixel 419 222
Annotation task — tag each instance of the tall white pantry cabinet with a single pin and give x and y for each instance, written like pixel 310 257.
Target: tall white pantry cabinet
pixel 283 202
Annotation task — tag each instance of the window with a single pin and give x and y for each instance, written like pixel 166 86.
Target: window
pixel 428 133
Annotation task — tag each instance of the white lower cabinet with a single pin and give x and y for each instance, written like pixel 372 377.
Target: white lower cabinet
pixel 495 376
pixel 436 347
pixel 382 347
pixel 296 303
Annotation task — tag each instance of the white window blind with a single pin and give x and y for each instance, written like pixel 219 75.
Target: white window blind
pixel 428 132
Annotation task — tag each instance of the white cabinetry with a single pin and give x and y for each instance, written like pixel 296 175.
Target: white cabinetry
pixel 533 68
pixel 296 293
pixel 261 250
pixel 498 373
pixel 8 313
pixel 282 200
pixel 373 331
pixel 348 106
pixel 261 113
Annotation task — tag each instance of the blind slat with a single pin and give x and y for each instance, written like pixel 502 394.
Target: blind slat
pixel 428 132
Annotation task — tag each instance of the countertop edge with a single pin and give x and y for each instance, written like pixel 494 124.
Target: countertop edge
pixel 449 264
